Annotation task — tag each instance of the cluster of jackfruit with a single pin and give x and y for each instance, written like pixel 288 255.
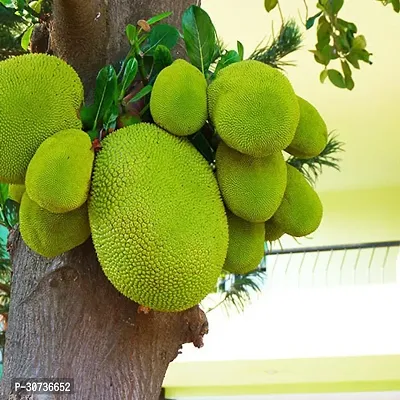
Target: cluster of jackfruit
pixel 163 223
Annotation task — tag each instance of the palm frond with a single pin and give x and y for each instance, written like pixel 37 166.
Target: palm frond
pixel 311 168
pixel 287 41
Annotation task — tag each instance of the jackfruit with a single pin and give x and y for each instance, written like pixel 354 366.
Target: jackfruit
pixel 51 234
pixel 272 231
pixel 157 218
pixel 311 135
pixel 58 176
pixel 252 188
pixel 246 245
pixel 15 192
pixel 40 95
pixel 253 108
pixel 178 101
pixel 300 212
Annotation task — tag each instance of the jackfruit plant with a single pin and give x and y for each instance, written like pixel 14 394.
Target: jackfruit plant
pixel 176 170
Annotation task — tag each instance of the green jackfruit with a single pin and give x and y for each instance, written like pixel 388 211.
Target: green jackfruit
pixel 15 192
pixel 157 218
pixel 58 176
pixel 272 231
pixel 40 95
pixel 51 234
pixel 252 188
pixel 311 135
pixel 253 108
pixel 300 212
pixel 178 100
pixel 246 245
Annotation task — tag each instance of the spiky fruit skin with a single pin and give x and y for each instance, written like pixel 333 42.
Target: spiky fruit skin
pixel 157 218
pixel 40 95
pixel 311 134
pixel 300 212
pixel 58 176
pixel 272 231
pixel 15 192
pixel 253 108
pixel 178 100
pixel 246 245
pixel 51 234
pixel 252 188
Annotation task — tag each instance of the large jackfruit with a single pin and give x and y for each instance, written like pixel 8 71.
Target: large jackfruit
pixel 40 95
pixel 272 231
pixel 15 192
pixel 157 219
pixel 253 108
pixel 300 212
pixel 178 100
pixel 58 176
pixel 51 234
pixel 252 188
pixel 246 245
pixel 311 135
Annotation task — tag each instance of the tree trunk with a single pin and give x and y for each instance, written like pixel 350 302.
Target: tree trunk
pixel 66 320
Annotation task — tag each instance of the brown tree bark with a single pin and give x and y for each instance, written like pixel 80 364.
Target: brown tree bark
pixel 66 320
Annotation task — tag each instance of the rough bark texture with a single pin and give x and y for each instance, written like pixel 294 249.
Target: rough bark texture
pixel 66 320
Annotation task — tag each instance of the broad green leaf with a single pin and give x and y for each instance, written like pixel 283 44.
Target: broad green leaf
pixel 88 116
pixel 323 56
pixel 26 38
pixel 158 17
pixel 310 22
pixel 36 5
pixel 270 4
pixel 106 92
pixel 3 193
pixel 323 75
pixel 199 36
pixel 162 58
pixel 110 117
pixel 336 78
pixel 130 72
pixel 203 146
pixel 164 34
pixel 323 33
pixel 359 42
pixel 142 93
pixel 131 33
pixel 240 50
pixel 346 68
pixel 18 4
pixel 349 82
pixel 353 59
pixel 228 58
pixel 7 3
pixel 396 5
pixel 336 5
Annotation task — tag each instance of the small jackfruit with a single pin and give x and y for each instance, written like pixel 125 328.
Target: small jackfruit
pixel 15 192
pixel 40 95
pixel 252 188
pixel 51 234
pixel 58 176
pixel 253 108
pixel 311 134
pixel 272 231
pixel 246 245
pixel 300 212
pixel 157 218
pixel 178 101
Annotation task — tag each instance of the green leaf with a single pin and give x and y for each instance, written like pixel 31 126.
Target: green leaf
pixel 359 42
pixel 323 75
pixel 11 212
pixel 323 33
pixel 202 145
pixel 7 3
pixel 336 5
pixel 3 193
pixel 310 22
pixel 396 5
pixel 163 34
pixel 158 17
pixel 128 119
pixel 228 58
pixel 88 116
pixel 26 38
pixel 240 49
pixel 336 78
pixel 131 33
pixel 199 36
pixel 349 82
pixel 162 58
pixel 18 4
pixel 106 92
pixel 270 4
pixel 323 56
pixel 142 93
pixel 36 5
pixel 353 59
pixel 110 117
pixel 347 75
pixel 130 71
